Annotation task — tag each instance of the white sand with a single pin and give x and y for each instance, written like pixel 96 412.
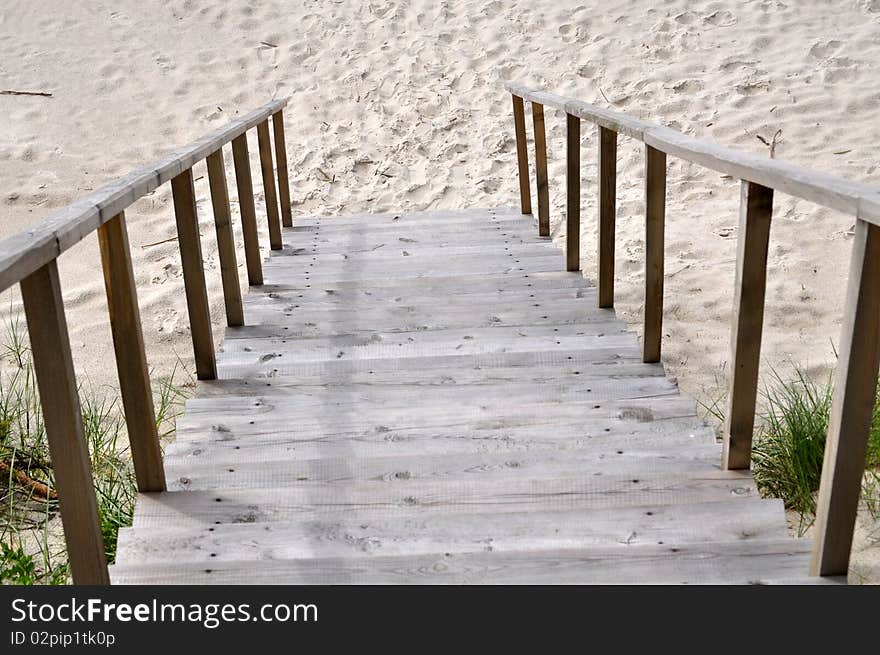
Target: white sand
pixel 399 106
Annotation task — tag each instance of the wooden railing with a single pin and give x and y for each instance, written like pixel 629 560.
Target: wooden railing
pixel 30 259
pixel 855 378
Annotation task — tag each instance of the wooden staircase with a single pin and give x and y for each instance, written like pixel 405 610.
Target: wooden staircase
pixel 427 398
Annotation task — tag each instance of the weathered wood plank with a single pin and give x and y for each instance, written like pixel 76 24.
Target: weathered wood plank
pixel 193 274
pixel 756 209
pixel 131 359
pixel 225 239
pixel 410 533
pixel 281 165
pixel 855 384
pixel 570 362
pixel 312 500
pixel 655 220
pixel 394 287
pixel 460 465
pixel 245 186
pixel 607 216
pixel 522 155
pixel 541 170
pixel 470 371
pixel 56 380
pixel 394 250
pixel 743 562
pixel 572 193
pixel 271 197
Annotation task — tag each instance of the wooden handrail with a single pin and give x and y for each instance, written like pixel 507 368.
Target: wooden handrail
pixel 30 258
pixel 859 200
pixel 25 252
pixel 855 380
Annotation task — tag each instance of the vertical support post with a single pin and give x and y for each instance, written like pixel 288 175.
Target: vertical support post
pixel 269 185
pixel 194 274
pixel 225 239
pixel 131 359
pixel 541 170
pixel 607 215
pixel 573 193
pixel 53 365
pixel 522 155
pixel 855 383
pixel 755 211
pixel 281 165
pixel 245 186
pixel 655 218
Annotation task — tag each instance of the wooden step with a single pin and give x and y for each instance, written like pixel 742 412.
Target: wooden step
pixel 409 532
pixel 309 500
pixel 335 374
pixel 336 466
pixel 449 284
pixel 292 321
pixel 219 450
pixel 578 361
pixel 759 561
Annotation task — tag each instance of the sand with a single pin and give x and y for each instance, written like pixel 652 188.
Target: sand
pixel 399 106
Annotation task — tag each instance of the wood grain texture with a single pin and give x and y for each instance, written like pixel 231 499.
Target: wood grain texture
pixel 855 382
pixel 25 252
pixel 745 562
pixel 411 532
pixel 196 290
pixel 281 165
pixel 541 170
pixel 607 216
pixel 225 239
pixel 522 155
pixel 265 146
pixel 655 225
pixel 131 359
pixel 56 380
pixel 756 209
pixel 406 392
pixel 572 193
pixel 244 184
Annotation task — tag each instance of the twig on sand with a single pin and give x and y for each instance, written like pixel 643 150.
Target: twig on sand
pixel 772 142
pixel 603 95
pixel 157 243
pixel 38 488
pixel 269 45
pixel 10 92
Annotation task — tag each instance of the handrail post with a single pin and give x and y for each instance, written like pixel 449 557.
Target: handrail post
pixel 572 193
pixel 655 219
pixel 131 359
pixel 607 215
pixel 855 384
pixel 281 164
pixel 541 170
pixel 245 187
pixel 522 155
pixel 265 145
pixel 56 380
pixel 756 209
pixel 194 274
pixel 225 239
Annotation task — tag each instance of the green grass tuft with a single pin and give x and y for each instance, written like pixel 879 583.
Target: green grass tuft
pixel 31 545
pixel 789 442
